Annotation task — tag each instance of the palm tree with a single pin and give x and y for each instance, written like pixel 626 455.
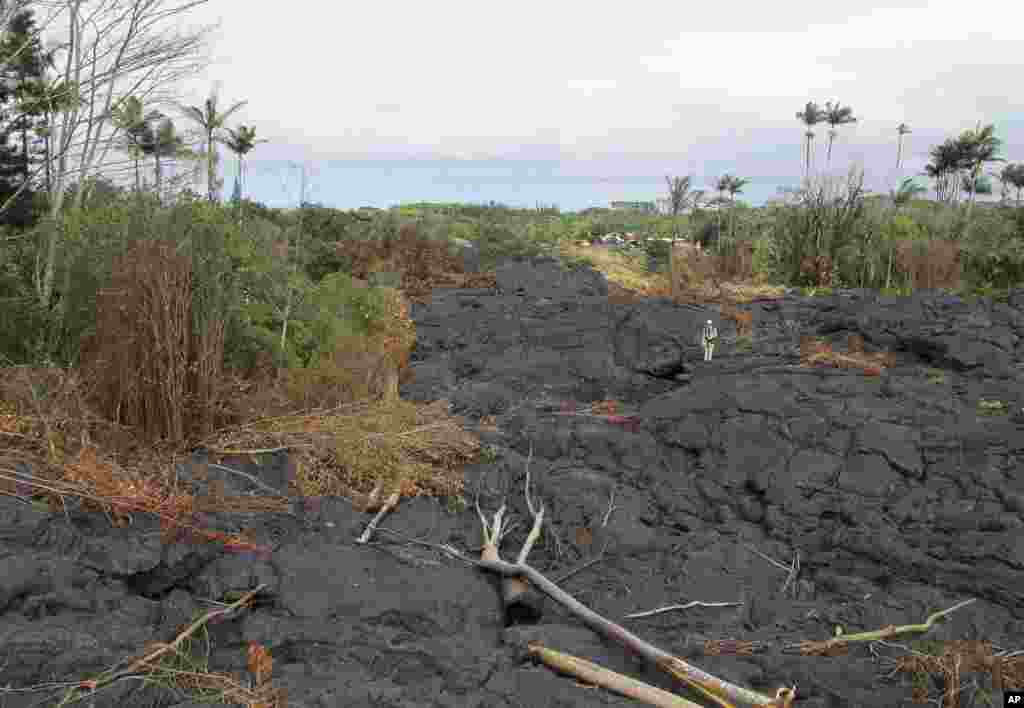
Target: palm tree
pixel 980 147
pixel 901 130
pixel 1013 175
pixel 836 115
pixel 934 172
pixel 948 162
pixel 736 185
pixel 212 122
pixel 165 142
pixel 241 142
pixel 169 144
pixel 810 116
pixel 128 116
pixel 678 198
pixel 722 185
pixel 974 187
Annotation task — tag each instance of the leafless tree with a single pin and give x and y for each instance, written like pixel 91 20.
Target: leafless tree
pixel 113 49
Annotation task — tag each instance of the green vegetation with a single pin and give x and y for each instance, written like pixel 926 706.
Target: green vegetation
pixel 831 236
pixel 992 407
pixel 288 284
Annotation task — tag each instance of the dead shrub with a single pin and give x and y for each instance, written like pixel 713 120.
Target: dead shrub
pixel 255 394
pixel 812 348
pixel 855 344
pixel 744 323
pixel 738 262
pixel 205 373
pixel 142 352
pixel 279 249
pixel 930 264
pixel 419 261
pixel 815 351
pixel 690 268
pixel 349 373
pixel 744 319
pixel 817 270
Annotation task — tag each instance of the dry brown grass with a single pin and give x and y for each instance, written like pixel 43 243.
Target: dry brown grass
pixel 692 269
pixel 817 270
pixel 818 352
pixel 855 344
pixel 625 271
pixel 744 319
pixel 705 280
pixel 738 265
pixel 359 367
pixel 701 278
pixel 409 448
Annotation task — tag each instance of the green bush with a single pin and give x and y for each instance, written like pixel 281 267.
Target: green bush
pixel 761 257
pixel 578 262
pixel 338 308
pixel 89 241
pixel 659 251
pixel 709 234
pixel 994 255
pixel 829 218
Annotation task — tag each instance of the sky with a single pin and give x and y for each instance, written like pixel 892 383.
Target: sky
pixel 400 101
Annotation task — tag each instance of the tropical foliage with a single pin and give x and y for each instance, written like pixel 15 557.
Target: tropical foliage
pixel 836 115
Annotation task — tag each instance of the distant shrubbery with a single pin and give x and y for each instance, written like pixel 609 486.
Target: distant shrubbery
pixel 286 285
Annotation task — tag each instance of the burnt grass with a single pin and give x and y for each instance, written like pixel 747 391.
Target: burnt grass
pixel 880 499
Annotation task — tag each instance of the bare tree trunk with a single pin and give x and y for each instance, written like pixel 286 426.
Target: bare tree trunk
pixel 284 324
pixel 975 174
pixel 211 176
pixel 158 175
pixel 138 47
pixel 57 187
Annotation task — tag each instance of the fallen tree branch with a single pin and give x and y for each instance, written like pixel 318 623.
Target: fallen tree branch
pixel 390 503
pixel 708 647
pixel 838 644
pixel 519 603
pixel 676 667
pixel 514 590
pixel 688 605
pixel 146 662
pixel 519 576
pixel 605 678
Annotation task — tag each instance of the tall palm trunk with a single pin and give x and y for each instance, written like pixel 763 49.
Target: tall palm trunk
pixel 975 175
pixel 158 176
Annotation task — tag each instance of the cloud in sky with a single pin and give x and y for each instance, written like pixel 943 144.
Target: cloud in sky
pixel 647 85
